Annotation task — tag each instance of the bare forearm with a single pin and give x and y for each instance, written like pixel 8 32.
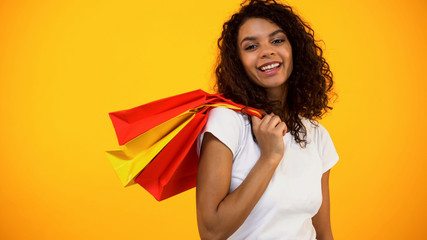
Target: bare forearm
pixel 236 206
pixel 328 237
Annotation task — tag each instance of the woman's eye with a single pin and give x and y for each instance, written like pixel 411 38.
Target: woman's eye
pixel 278 41
pixel 250 47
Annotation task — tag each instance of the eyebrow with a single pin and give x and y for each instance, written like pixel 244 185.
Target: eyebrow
pixel 270 35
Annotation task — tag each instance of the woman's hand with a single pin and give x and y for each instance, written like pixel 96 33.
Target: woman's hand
pixel 269 132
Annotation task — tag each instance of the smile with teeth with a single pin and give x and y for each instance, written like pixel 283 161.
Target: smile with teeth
pixel 269 67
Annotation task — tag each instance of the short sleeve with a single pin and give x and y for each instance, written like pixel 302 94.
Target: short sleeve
pixel 225 125
pixel 326 149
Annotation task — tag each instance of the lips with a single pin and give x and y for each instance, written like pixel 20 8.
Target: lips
pixel 269 66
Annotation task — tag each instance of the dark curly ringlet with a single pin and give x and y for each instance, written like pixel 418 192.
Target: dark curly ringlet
pixel 309 87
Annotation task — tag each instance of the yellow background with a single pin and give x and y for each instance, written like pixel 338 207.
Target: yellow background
pixel 65 64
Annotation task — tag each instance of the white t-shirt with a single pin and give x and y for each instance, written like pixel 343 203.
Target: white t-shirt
pixel 294 194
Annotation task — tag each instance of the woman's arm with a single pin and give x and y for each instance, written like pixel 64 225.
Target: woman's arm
pixel 322 220
pixel 219 214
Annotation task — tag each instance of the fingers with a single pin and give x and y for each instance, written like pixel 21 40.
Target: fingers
pixel 261 123
pixel 273 121
pixel 282 127
pixel 270 122
pixel 269 132
pixel 256 121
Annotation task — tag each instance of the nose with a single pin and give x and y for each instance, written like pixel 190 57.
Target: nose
pixel 267 51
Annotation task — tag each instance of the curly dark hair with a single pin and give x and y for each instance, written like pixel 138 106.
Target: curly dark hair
pixel 309 87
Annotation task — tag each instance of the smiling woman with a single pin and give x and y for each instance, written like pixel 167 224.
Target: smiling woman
pixel 266 55
pixel 267 178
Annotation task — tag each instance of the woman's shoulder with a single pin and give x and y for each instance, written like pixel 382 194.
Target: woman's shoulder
pixel 315 130
pixel 322 141
pixel 228 126
pixel 227 116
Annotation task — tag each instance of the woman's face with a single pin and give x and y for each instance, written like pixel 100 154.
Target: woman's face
pixel 266 54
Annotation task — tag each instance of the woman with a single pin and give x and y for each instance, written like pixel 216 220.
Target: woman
pixel 267 178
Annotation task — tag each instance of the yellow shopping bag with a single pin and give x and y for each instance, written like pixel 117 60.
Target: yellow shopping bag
pixel 131 159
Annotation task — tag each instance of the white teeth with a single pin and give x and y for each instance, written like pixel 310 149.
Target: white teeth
pixel 269 67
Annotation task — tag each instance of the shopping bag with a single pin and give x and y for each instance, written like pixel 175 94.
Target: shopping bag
pixel 130 123
pixel 137 153
pixel 134 155
pixel 151 132
pixel 133 122
pixel 174 169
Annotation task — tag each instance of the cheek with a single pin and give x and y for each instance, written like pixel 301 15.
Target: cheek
pixel 248 65
pixel 289 59
pixel 288 52
pixel 244 60
pixel 290 67
pixel 249 62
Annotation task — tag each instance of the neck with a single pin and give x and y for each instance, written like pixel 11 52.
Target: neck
pixel 278 94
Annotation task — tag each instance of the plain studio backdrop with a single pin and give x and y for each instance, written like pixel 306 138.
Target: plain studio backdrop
pixel 65 65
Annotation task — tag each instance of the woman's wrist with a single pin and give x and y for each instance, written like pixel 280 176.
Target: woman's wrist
pixel 271 159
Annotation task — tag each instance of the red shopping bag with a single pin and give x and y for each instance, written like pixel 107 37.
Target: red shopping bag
pixel 131 123
pixel 174 169
pixel 135 121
